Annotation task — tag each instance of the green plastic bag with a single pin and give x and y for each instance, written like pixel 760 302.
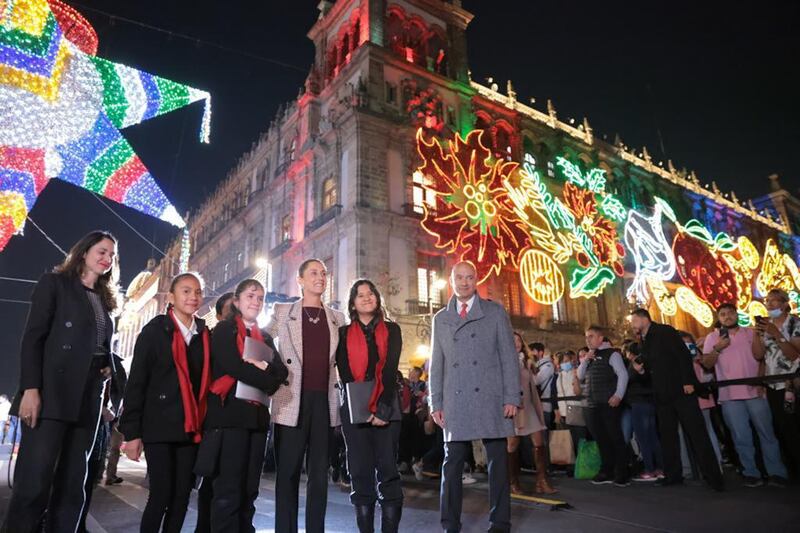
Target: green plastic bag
pixel 587 464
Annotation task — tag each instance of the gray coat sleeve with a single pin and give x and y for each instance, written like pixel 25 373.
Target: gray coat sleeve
pixel 436 374
pixel 509 363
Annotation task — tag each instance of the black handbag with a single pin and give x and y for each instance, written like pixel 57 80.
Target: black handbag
pixel 207 462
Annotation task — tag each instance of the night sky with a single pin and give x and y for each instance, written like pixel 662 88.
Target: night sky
pixel 709 87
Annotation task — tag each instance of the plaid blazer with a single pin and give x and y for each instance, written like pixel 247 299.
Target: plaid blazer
pixel 286 327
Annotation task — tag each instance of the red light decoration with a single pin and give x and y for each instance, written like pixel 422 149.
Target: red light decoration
pixel 76 29
pixel 474 217
pixel 602 232
pixel 701 269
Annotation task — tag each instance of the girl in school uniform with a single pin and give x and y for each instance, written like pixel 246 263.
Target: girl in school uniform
pixel 236 429
pixel 165 402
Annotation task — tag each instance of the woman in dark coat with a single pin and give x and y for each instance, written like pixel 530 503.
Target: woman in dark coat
pixel 236 429
pixel 369 349
pixel 65 362
pixel 165 402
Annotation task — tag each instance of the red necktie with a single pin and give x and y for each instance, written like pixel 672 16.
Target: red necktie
pixel 463 313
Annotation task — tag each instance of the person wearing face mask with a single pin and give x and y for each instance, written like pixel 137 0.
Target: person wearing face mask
pixel 65 362
pixel 779 344
pixel 237 427
pixel 165 402
pixel 572 413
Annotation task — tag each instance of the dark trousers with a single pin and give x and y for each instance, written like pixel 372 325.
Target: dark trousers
pixel 451 498
pixel 52 468
pixel 371 455
pixel 309 438
pixel 605 424
pixel 169 469
pixel 787 429
pixel 644 427
pixel 205 495
pixel 684 409
pixel 236 485
pixel 434 455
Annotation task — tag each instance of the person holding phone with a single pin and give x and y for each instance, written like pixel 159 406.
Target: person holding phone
pixel 369 351
pixel 779 335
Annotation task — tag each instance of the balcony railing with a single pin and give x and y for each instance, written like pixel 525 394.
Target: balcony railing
pixel 420 307
pixel 280 249
pixel 326 216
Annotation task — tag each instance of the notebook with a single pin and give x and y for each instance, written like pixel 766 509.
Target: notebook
pixel 358 395
pixel 258 351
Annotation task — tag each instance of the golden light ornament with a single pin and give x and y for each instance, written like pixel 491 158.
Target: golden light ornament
pixel 541 277
pixel 661 296
pixel 690 303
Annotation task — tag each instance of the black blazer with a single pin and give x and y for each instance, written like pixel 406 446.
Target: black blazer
pixel 152 409
pixel 668 362
pixel 226 360
pixel 386 401
pixel 58 343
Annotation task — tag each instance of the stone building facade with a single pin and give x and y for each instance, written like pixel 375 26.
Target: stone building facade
pixel 333 176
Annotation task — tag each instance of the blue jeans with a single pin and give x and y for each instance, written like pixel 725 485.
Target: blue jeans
pixel 627 424
pixel 644 426
pixel 739 414
pixel 712 434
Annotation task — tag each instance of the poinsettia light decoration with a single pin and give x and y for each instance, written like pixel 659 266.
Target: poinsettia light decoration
pixel 473 216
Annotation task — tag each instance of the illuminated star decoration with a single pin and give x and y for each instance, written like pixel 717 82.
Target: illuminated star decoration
pixel 61 109
pixel 474 216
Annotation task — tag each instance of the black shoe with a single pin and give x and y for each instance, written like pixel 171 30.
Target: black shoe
pixel 667 482
pixel 622 482
pixel 778 481
pixel 334 472
pixel 116 480
pixel 390 518
pixel 753 482
pixel 602 479
pixel 365 518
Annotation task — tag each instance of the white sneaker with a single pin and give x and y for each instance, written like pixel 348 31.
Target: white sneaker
pixel 417 468
pixel 467 479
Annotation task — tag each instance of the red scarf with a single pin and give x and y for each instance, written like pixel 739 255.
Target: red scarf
pixel 222 385
pixel 194 410
pixel 358 357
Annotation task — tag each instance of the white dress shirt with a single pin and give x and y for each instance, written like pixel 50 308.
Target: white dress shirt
pixel 189 332
pixel 460 304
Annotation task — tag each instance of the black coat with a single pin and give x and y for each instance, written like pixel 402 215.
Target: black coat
pixel 58 343
pixel 386 401
pixel 226 360
pixel 152 409
pixel 668 362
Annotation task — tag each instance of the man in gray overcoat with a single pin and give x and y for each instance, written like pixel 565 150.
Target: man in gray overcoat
pixel 474 392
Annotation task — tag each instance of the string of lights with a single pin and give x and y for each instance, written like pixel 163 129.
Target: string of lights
pixel 193 39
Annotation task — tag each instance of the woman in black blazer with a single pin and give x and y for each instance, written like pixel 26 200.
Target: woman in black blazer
pixel 236 430
pixel 165 402
pixel 65 362
pixel 369 349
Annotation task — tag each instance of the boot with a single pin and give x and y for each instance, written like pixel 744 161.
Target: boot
pixel 513 472
pixel 365 518
pixel 390 518
pixel 542 484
